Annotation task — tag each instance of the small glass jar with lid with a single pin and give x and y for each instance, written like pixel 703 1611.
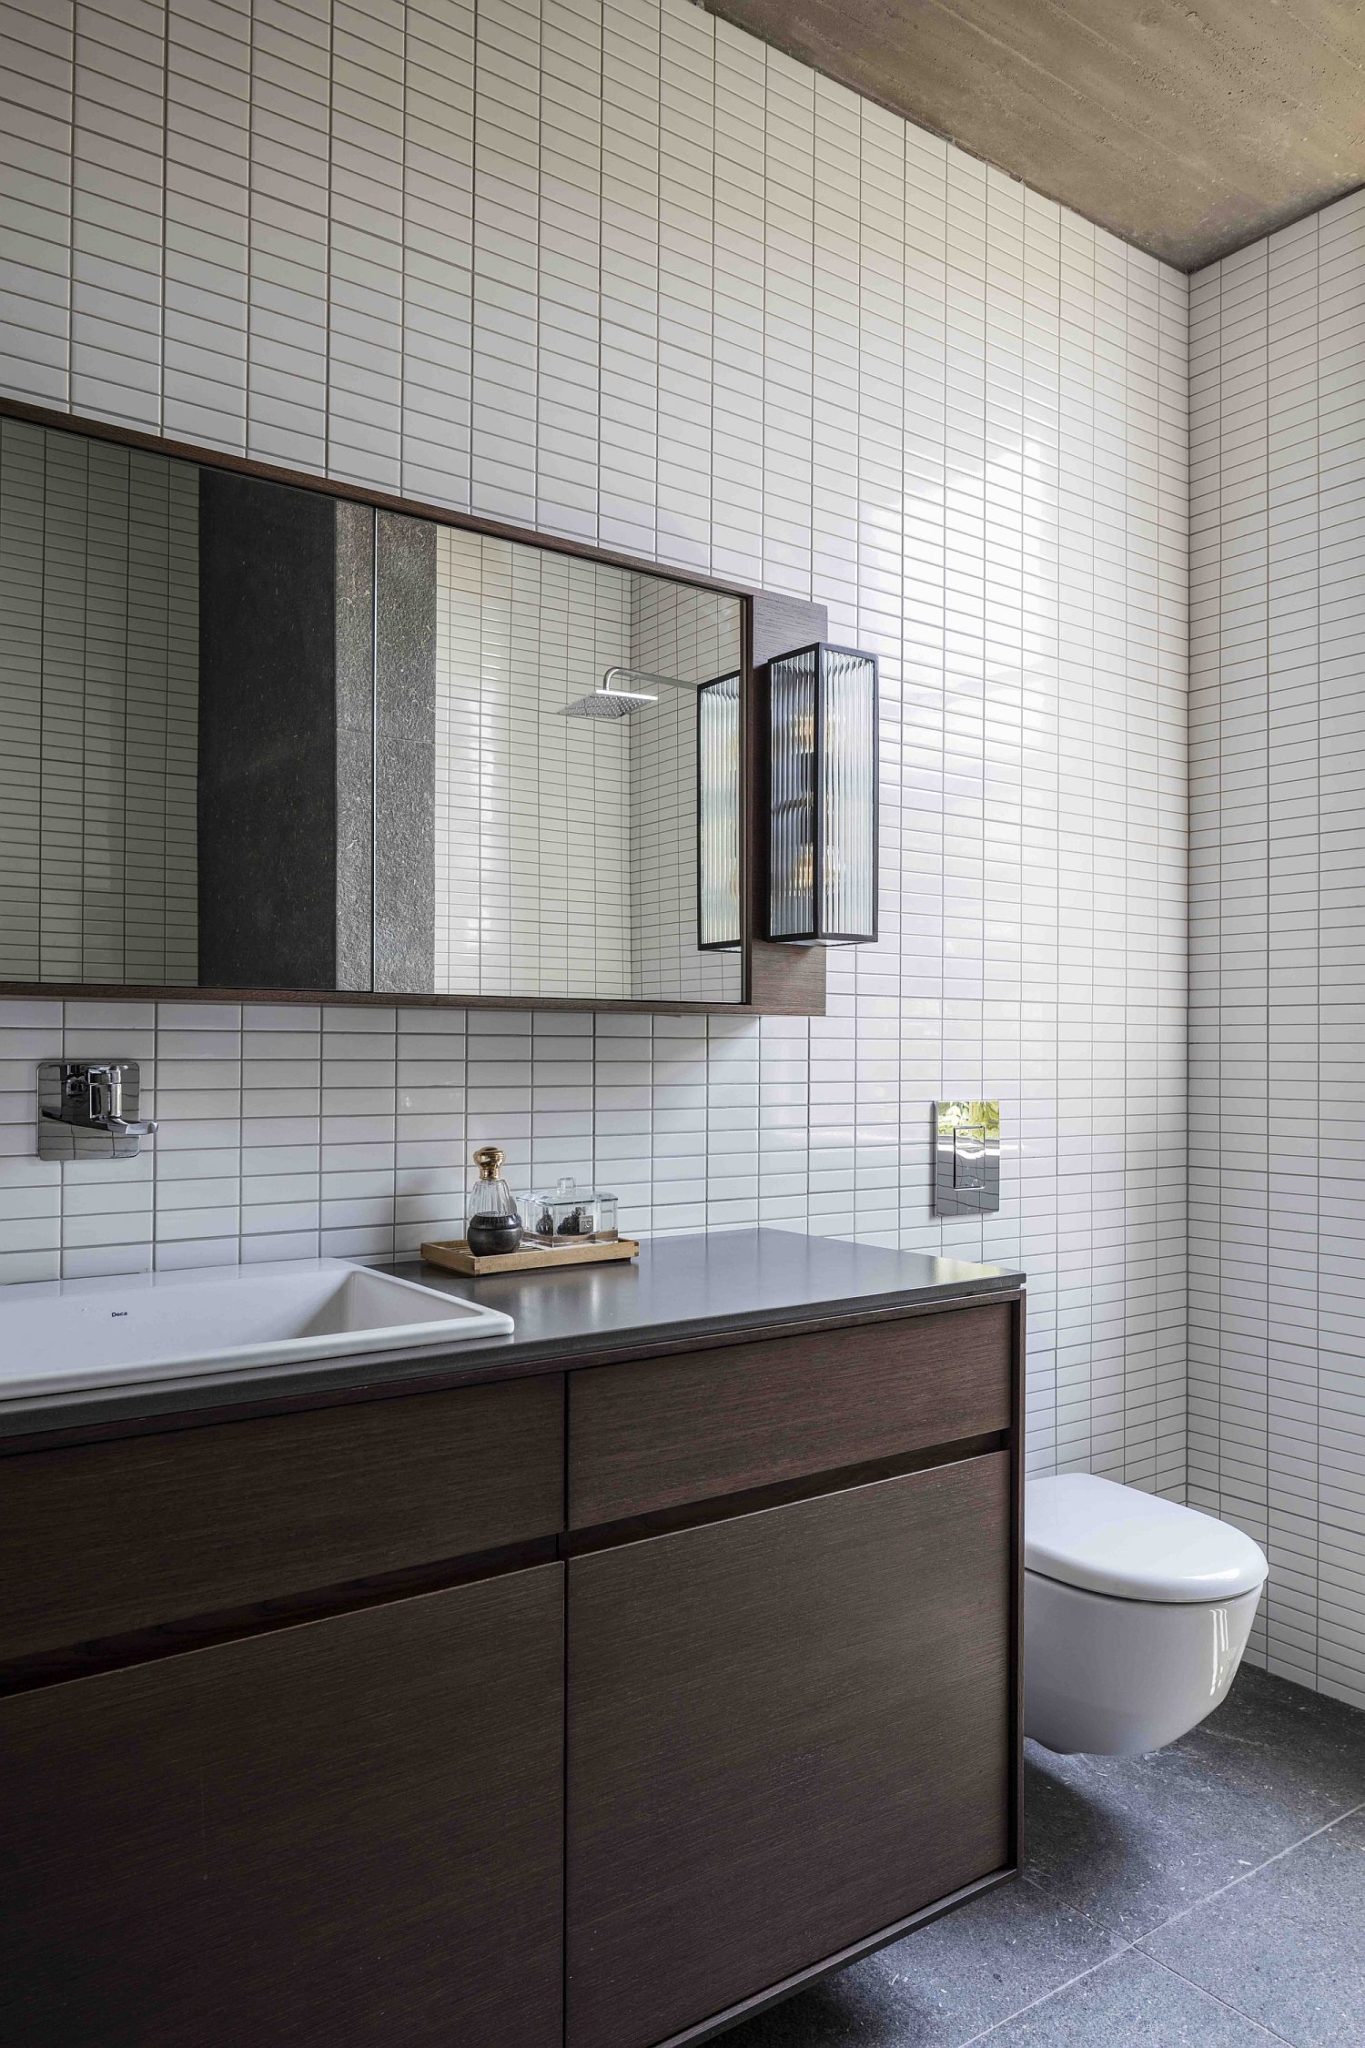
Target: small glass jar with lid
pixel 570 1214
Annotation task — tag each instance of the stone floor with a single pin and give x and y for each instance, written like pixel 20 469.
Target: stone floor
pixel 1211 1895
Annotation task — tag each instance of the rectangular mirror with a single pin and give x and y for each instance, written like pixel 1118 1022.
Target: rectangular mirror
pixel 261 737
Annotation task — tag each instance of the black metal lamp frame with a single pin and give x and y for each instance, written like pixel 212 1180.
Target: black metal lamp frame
pixel 816 935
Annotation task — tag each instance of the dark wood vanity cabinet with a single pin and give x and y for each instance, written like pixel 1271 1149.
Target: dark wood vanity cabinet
pixel 787 1731
pixel 580 1710
pixel 349 1831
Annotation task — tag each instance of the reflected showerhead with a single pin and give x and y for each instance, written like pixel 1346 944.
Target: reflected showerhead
pixel 619 693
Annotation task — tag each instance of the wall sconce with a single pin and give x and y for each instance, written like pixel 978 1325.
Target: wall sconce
pixel 821 788
pixel 718 815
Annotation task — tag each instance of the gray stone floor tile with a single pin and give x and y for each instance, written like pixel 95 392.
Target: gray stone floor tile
pixel 939 1987
pixel 1117 1846
pixel 1304 1738
pixel 1288 1945
pixel 1131 2003
pixel 1133 1840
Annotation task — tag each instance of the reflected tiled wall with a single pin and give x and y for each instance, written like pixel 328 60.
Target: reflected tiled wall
pixel 99 710
pixel 532 809
pixel 1277 1274
pixel 611 268
pixel 566 849
pixel 675 630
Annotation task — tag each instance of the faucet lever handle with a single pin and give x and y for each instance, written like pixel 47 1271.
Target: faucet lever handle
pixel 104 1086
pixel 87 1097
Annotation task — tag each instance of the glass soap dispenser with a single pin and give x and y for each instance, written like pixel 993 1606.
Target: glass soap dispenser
pixel 492 1225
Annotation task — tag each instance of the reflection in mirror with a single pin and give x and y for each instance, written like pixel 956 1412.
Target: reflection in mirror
pixel 718 811
pixel 261 737
pixel 99 647
pixel 566 846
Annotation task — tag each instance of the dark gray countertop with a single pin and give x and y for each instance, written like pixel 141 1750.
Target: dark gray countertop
pixel 681 1291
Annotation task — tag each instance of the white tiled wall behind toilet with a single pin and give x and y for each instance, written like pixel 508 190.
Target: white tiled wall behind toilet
pixel 1277 1127
pixel 620 272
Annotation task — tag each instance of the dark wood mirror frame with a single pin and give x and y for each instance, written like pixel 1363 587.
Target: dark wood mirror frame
pixel 778 980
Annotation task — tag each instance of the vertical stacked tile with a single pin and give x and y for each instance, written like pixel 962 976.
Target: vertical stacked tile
pixel 30 1188
pixel 36 76
pixel 98 614
pixel 1341 758
pixel 431 1170
pixel 614 268
pixel 438 195
pixel 506 258
pixel 360 1106
pixel 365 250
pixel 1057 487
pixel 687 95
pixel 1169 767
pixel 290 131
pixel 22 547
pixel 912 753
pixel 1277 1345
pixel 1299 997
pixel 118 212
pixel 208 170
pixel 692 634
pixel 875 424
pixel 812 190
pixel 193 1075
pixel 287 1191
pixel 629 271
pixel 737 301
pixel 568 295
pixel 532 809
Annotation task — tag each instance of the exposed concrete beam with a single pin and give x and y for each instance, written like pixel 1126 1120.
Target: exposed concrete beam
pixel 1188 127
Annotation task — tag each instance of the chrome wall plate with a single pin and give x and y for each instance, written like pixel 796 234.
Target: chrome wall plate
pixel 88 1109
pixel 966 1158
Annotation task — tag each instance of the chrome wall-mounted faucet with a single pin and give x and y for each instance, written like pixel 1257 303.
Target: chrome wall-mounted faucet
pixel 87 1109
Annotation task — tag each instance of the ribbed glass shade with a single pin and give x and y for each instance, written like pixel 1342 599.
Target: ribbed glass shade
pixel 718 808
pixel 822 791
pixel 791 791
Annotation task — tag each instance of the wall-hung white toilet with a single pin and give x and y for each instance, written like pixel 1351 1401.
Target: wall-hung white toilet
pixel 1136 1614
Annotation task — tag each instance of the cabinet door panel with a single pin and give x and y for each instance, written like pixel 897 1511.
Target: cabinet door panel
pixel 342 1835
pixel 786 1732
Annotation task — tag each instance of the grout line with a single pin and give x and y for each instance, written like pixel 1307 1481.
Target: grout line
pixel 1243 1876
pixel 1136 1944
pixel 1271 2033
pixel 1056 1991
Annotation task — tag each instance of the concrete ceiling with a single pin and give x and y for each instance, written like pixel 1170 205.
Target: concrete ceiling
pixel 1187 126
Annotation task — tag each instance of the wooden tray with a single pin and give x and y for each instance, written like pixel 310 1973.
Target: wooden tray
pixel 454 1254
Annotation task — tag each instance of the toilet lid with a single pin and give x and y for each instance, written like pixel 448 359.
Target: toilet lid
pixel 1105 1538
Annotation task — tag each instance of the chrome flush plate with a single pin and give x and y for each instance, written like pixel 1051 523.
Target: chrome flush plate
pixel 966 1158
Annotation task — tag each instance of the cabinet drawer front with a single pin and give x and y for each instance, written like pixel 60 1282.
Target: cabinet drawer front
pixel 787 1732
pixel 104 1539
pixel 660 1434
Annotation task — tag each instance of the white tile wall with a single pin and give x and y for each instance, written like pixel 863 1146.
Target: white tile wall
pixel 1277 1281
pixel 612 268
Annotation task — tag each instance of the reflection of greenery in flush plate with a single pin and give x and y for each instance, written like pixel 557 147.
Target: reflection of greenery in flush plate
pixel 979 1116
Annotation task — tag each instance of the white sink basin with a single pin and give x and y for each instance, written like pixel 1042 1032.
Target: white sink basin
pixel 59 1335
